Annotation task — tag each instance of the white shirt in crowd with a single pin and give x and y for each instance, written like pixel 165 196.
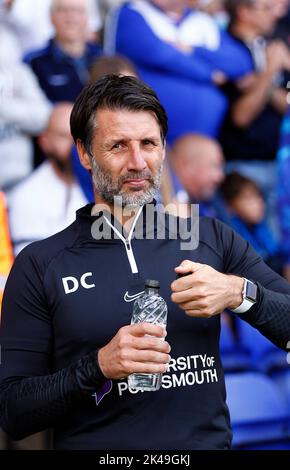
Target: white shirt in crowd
pixel 42 205
pixel 24 111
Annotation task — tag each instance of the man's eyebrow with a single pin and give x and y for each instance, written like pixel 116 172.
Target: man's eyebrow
pixel 151 137
pixel 121 140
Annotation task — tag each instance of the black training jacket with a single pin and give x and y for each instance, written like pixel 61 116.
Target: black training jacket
pixel 68 295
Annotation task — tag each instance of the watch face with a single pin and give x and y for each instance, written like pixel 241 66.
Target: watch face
pixel 251 291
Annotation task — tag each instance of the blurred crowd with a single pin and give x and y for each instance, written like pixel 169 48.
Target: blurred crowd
pixel 221 68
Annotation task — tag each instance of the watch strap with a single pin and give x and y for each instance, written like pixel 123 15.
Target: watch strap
pixel 246 303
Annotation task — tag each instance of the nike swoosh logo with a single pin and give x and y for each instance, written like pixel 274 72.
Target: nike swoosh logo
pixel 131 298
pixel 104 390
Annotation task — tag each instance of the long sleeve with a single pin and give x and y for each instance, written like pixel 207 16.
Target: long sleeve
pixel 232 58
pixel 30 405
pixel 283 191
pixel 271 314
pixel 33 394
pixel 129 34
pixel 141 44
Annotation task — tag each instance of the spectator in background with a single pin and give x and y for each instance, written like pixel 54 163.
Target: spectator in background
pixel 282 13
pixel 31 21
pixel 46 201
pixel 281 8
pixel 116 64
pixel 283 191
pixel 209 6
pixel 198 164
pixel 24 111
pixel 182 54
pixel 214 8
pixel 251 132
pixel 62 68
pixel 246 214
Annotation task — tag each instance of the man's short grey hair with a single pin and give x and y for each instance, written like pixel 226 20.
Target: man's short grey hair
pixel 55 5
pixel 232 6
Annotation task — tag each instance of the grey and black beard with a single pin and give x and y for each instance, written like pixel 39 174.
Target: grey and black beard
pixel 109 190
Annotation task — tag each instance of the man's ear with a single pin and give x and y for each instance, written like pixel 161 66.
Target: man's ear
pixel 84 156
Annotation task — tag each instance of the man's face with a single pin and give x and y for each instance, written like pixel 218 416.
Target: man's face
pixel 70 19
pixel 127 156
pixel 280 8
pixel 211 6
pixel 56 141
pixel 261 16
pixel 171 5
pixel 249 205
pixel 200 168
pixel 208 175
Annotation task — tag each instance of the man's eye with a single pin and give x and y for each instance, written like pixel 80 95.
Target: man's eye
pixel 148 142
pixel 117 146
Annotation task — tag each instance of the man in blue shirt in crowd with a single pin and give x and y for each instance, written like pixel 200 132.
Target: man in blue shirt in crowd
pixel 62 67
pixel 183 55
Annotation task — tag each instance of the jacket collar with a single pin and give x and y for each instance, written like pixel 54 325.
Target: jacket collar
pixel 94 226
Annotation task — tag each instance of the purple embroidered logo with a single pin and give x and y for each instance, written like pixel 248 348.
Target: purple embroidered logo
pixel 103 391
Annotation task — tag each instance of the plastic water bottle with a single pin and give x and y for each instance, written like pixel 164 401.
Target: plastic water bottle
pixel 150 307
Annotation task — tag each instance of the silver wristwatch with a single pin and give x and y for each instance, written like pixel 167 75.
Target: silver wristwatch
pixel 250 297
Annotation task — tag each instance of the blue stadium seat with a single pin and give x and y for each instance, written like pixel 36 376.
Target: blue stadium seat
pixel 282 380
pixel 259 415
pixel 265 356
pixel 234 357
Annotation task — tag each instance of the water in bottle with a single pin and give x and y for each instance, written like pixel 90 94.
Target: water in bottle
pixel 150 307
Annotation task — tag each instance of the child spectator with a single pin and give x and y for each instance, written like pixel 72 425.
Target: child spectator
pixel 246 214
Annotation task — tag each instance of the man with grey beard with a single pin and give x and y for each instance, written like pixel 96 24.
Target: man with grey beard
pixel 110 189
pixel 67 342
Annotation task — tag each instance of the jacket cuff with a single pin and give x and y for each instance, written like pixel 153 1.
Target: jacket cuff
pixel 88 373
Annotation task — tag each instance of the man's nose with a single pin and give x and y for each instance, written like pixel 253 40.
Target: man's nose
pixel 136 160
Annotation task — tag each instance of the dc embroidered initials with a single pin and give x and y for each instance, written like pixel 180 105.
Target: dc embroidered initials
pixel 71 284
